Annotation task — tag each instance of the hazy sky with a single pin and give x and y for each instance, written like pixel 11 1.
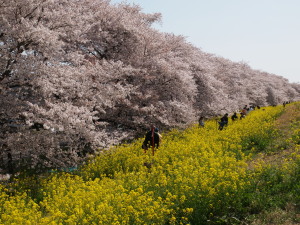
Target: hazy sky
pixel 263 33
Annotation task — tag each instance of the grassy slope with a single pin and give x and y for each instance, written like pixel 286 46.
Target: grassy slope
pixel 282 190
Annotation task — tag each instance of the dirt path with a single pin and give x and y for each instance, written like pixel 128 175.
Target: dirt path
pixel 282 147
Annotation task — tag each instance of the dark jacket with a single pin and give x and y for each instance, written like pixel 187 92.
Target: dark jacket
pixel 224 120
pixel 234 117
pixel 148 139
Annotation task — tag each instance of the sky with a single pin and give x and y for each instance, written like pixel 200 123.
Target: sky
pixel 265 34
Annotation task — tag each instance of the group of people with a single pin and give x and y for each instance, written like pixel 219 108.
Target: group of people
pixel 224 119
pixel 285 103
pixel 153 137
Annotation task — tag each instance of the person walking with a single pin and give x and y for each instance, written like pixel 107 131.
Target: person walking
pixel 234 117
pixel 152 139
pixel 201 121
pixel 223 122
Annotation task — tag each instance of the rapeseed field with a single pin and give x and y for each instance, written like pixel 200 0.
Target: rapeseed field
pixel 199 175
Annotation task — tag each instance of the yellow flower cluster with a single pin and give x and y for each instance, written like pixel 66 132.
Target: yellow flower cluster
pixel 194 174
pixel 18 209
